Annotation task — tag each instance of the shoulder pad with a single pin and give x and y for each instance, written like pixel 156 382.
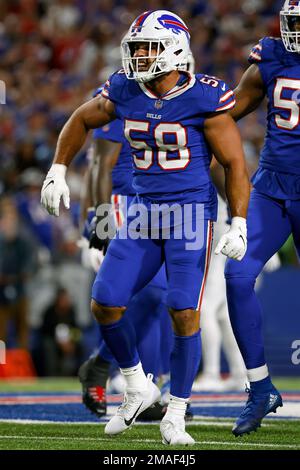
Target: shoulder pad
pixel 218 96
pixel 266 50
pixel 98 91
pixel 112 85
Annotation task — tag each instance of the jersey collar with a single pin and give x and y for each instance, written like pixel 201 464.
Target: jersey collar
pixel 176 91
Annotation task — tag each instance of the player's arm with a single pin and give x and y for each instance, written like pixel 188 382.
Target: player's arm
pixel 218 177
pixel 249 93
pixel 95 113
pixel 225 142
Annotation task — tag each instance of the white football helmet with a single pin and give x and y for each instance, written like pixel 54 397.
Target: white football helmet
pixel 161 30
pixel 289 16
pixel 189 64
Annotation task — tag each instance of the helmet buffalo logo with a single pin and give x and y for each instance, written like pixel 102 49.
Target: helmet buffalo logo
pixel 172 23
pixel 139 22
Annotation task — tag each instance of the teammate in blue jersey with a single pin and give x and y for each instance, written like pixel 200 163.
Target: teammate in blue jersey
pixel 122 171
pixel 173 121
pixel 274 210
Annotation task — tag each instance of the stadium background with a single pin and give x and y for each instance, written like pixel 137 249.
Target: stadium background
pixel 53 54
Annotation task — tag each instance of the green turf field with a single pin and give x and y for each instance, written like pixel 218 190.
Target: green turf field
pixel 209 433
pixel 284 435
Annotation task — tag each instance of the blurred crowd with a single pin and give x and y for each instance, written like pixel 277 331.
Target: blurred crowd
pixel 53 54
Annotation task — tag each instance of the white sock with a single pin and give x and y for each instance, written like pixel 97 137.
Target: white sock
pixel 135 377
pixel 260 373
pixel 176 407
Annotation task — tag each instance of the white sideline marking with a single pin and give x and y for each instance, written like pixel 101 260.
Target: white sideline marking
pixel 204 421
pixel 151 441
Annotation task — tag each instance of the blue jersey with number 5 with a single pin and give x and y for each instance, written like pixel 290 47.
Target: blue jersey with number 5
pixel 279 168
pixel 170 153
pixel 122 171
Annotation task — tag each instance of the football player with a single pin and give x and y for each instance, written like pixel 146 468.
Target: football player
pixel 111 181
pixel 173 121
pixel 274 211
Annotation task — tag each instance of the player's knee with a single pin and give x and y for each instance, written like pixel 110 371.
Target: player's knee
pixel 242 269
pixel 106 315
pixel 104 293
pixel 240 280
pixel 177 299
pixel 185 322
pixel 239 287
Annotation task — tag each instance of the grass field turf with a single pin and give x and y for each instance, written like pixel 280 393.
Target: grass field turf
pixel 210 434
pixel 275 435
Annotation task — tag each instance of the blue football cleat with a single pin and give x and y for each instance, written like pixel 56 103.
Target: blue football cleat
pixel 257 407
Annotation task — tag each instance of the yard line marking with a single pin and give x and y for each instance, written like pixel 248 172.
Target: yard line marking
pixel 195 422
pixel 101 439
pixel 247 444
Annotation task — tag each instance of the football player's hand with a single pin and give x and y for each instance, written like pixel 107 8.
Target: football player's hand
pixel 54 188
pixel 234 243
pixel 96 242
pixel 90 257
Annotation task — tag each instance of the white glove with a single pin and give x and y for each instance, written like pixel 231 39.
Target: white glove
pixel 234 243
pixel 90 257
pixel 54 188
